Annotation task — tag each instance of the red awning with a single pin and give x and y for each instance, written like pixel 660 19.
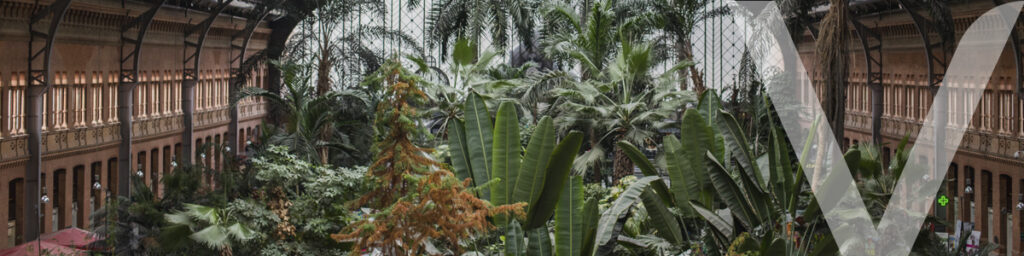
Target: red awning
pixel 70 237
pixel 48 248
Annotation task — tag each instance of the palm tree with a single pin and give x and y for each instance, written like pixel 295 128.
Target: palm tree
pixel 833 63
pixel 205 225
pixel 324 39
pixel 590 42
pixel 676 19
pixel 630 106
pixel 312 115
pixel 127 226
pixel 450 20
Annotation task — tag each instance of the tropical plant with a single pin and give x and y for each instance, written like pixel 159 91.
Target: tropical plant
pixel 589 41
pixel 676 19
pixel 313 116
pixel 493 155
pixel 336 50
pixel 465 77
pixel 833 63
pixel 453 19
pixel 761 193
pixel 209 226
pixel 415 200
pixel 630 106
pixel 129 226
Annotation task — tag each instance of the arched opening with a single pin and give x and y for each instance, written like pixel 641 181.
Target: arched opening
pixel 987 213
pixel 60 199
pixel 241 141
pixel 79 188
pixel 110 188
pixel 215 150
pixel 15 211
pixel 140 169
pixel 154 170
pixel 1005 209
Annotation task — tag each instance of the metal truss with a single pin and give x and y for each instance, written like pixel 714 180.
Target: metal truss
pixel 937 60
pixel 935 51
pixel 190 74
pixel 131 44
pixel 871 42
pixel 40 49
pixel 1016 44
pixel 193 49
pixel 240 67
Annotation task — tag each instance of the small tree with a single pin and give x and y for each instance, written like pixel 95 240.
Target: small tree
pixel 416 198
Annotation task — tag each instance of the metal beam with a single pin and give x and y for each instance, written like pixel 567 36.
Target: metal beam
pixel 871 42
pixel 131 44
pixel 1016 44
pixel 937 61
pixel 190 72
pixel 40 49
pixel 240 71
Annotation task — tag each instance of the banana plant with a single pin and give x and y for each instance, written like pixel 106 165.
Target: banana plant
pixel 715 166
pixel 490 153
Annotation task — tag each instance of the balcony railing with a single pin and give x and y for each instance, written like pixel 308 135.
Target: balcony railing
pixel 62 140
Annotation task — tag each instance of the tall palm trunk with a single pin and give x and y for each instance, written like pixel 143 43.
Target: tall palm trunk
pixel 684 52
pixel 833 63
pixel 323 86
pixel 595 175
pixel 623 166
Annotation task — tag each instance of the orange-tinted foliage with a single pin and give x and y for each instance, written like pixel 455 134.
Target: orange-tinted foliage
pixel 416 198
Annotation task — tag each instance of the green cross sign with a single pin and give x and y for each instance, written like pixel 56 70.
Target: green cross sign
pixel 943 200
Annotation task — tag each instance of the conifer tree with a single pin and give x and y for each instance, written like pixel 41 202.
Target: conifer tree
pixel 416 199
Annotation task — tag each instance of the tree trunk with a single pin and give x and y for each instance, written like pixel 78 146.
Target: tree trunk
pixel 684 52
pixel 623 166
pixel 595 175
pixel 323 86
pixel 323 74
pixel 833 63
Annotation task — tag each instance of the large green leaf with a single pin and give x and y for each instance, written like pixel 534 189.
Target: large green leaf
pixel 515 245
pixel 736 144
pixel 213 237
pixel 538 153
pixel 569 219
pixel 758 199
pixel 640 160
pixel 557 172
pixel 691 150
pixel 685 185
pixel 661 218
pixel 459 150
pixel 479 130
pixel 797 185
pixel 709 107
pixel 540 242
pixel 626 200
pixel 719 223
pixel 506 157
pixel 730 193
pixel 591 216
pixel 465 52
pixel 241 232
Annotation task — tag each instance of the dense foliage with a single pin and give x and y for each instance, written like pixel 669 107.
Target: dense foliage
pixel 597 136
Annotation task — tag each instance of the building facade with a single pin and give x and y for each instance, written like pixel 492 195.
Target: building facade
pixel 989 160
pixel 80 138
